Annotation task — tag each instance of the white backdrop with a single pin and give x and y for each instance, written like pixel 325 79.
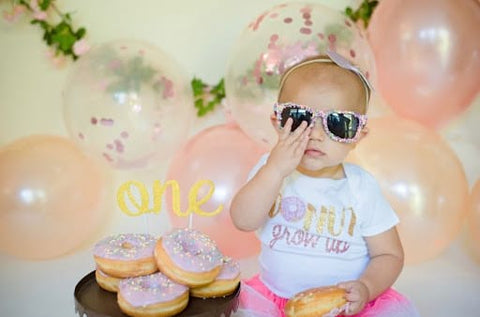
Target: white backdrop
pixel 199 36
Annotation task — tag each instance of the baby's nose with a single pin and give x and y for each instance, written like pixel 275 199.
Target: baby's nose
pixel 317 132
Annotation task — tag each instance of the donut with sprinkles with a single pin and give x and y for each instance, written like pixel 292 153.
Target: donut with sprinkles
pixel 126 255
pixel 107 282
pixel 189 257
pixel 224 284
pixel 151 295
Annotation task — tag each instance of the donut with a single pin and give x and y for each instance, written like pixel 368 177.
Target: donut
pixel 328 301
pixel 225 283
pixel 107 282
pixel 189 257
pixel 151 295
pixel 126 255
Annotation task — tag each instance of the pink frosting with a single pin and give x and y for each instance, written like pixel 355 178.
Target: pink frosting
pixel 150 289
pixel 192 250
pixel 132 246
pixel 230 269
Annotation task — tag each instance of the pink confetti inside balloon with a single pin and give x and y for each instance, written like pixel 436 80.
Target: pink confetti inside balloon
pixel 129 104
pixel 274 41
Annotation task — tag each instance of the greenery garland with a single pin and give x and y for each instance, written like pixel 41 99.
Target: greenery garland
pixel 363 12
pixel 60 35
pixel 69 42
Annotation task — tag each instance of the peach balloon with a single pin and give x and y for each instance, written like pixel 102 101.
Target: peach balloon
pixel 50 194
pixel 423 180
pixel 224 155
pixel 474 222
pixel 427 56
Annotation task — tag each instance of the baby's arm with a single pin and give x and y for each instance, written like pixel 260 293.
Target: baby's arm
pixel 250 206
pixel 386 263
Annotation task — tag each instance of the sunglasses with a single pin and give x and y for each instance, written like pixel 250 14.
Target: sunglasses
pixel 340 126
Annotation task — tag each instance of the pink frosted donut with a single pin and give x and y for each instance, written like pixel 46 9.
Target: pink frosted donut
pixel 225 283
pixel 188 257
pixel 151 295
pixel 107 282
pixel 126 255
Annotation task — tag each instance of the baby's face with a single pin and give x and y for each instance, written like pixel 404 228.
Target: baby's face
pixel 324 87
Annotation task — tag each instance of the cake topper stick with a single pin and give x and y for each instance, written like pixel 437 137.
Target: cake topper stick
pixel 190 221
pixel 147 229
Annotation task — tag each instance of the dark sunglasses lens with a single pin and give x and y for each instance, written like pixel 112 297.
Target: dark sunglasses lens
pixel 343 125
pixel 297 114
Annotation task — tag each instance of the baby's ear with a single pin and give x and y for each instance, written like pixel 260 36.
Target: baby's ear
pixel 364 132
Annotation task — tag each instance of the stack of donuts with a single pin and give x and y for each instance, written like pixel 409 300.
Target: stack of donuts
pixel 156 277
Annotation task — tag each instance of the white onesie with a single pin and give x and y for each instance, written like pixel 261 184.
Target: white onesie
pixel 314 236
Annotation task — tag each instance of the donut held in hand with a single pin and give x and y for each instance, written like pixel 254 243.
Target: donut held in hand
pixel 126 255
pixel 188 257
pixel 326 301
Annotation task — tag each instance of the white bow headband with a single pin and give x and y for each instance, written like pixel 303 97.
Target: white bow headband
pixel 339 60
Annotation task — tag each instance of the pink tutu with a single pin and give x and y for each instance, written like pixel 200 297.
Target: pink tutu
pixel 256 300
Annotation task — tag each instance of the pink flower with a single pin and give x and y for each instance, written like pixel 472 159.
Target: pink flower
pixel 34 5
pixel 40 15
pixel 57 60
pixel 80 47
pixel 13 15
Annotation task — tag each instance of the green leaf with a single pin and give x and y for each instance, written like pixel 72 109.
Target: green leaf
pixel 219 89
pixel 350 13
pixel 197 86
pixel 363 12
pixel 44 4
pixel 81 33
pixel 63 36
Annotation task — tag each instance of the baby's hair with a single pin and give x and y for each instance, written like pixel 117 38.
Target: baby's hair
pixel 327 59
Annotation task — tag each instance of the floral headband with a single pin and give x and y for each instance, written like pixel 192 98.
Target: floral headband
pixel 339 60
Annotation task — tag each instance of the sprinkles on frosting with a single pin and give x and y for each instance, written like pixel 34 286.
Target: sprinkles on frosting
pixel 230 269
pixel 195 250
pixel 150 289
pixel 126 246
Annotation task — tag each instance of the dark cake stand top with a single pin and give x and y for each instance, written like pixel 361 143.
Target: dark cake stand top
pixel 93 301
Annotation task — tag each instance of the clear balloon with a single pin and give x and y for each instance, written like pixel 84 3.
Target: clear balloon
pixel 274 41
pixel 224 155
pixel 474 222
pixel 50 197
pixel 422 179
pixel 427 57
pixel 129 104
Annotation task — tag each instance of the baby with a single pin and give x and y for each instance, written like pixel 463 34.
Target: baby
pixel 321 221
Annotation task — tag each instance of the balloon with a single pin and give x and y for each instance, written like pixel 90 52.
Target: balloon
pixel 474 222
pixel 427 56
pixel 129 104
pixel 463 136
pixel 50 197
pixel 224 155
pixel 422 179
pixel 274 41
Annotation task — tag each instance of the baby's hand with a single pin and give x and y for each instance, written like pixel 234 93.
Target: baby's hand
pixel 287 153
pixel 357 296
